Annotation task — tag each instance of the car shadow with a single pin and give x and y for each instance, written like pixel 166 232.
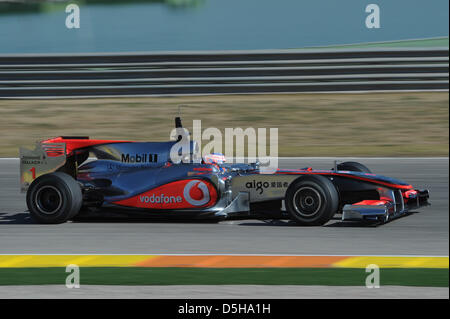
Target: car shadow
pixel 286 222
pixel 334 222
pixel 140 220
pixel 16 219
pixel 268 222
pixel 23 218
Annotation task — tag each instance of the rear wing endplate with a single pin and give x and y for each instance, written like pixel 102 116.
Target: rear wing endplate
pixel 45 158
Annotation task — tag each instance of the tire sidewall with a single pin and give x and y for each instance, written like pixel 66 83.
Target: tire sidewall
pixel 328 195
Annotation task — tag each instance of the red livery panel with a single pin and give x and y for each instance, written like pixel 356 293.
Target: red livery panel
pixel 190 193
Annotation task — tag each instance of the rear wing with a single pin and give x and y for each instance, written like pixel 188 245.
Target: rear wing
pixel 45 158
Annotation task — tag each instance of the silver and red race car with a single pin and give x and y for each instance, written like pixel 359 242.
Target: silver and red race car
pixel 61 180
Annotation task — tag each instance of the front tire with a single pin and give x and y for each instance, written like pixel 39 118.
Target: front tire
pixel 312 200
pixel 54 198
pixel 353 167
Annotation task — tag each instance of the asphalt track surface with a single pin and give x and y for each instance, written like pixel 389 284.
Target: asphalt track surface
pixel 222 292
pixel 421 233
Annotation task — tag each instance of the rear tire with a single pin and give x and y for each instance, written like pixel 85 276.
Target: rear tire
pixel 312 200
pixel 54 198
pixel 353 167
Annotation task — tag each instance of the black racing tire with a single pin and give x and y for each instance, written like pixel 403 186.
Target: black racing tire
pixel 312 200
pixel 54 198
pixel 353 167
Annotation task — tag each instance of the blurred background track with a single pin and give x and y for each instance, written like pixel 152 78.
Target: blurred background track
pixel 223 72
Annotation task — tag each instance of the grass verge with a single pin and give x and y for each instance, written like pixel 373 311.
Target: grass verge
pixel 225 276
pixel 371 124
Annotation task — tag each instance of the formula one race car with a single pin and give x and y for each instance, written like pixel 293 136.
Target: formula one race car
pixel 61 180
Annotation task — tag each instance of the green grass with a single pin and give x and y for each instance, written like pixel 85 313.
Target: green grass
pixel 224 276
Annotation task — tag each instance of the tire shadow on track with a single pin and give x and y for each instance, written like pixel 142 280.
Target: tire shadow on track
pixel 16 218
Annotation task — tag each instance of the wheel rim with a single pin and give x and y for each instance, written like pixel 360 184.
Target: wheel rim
pixel 307 201
pixel 48 199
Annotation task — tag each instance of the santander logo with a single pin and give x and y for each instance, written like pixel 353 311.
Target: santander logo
pixel 196 193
